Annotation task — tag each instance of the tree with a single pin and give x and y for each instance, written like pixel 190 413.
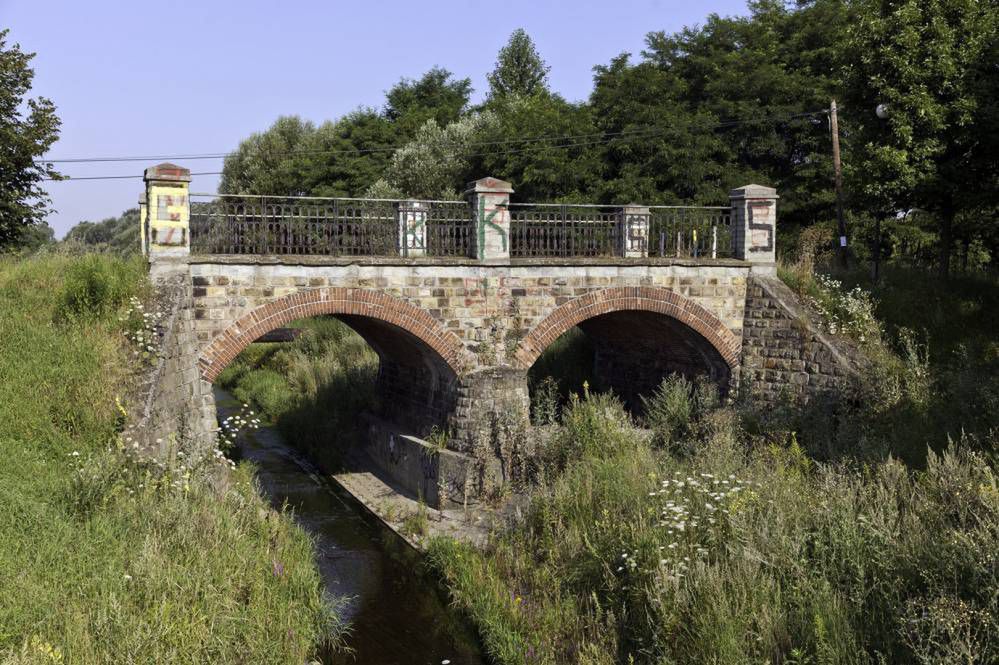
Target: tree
pixel 271 162
pixel 540 170
pixel 118 234
pixel 344 157
pixel 519 69
pixel 35 236
pixel 660 151
pixel 435 96
pixel 751 79
pixel 23 139
pixel 932 63
pixel 435 164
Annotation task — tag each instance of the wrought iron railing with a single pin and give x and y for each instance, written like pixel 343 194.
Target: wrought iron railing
pixel 247 224
pixel 450 228
pixel 690 232
pixel 270 225
pixel 555 230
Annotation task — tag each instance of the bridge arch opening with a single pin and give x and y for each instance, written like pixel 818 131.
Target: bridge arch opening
pixel 628 340
pixel 419 361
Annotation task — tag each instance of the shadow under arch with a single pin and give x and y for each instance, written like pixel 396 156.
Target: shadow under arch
pixel 419 359
pixel 639 336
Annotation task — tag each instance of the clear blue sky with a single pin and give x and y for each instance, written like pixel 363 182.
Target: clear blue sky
pixel 149 78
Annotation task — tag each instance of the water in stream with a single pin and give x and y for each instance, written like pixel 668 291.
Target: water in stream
pixel 396 614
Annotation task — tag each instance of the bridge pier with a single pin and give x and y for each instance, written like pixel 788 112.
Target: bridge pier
pixel 491 423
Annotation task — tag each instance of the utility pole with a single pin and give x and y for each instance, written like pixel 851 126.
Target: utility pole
pixel 838 175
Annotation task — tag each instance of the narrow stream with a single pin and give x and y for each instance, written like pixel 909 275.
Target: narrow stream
pixel 397 614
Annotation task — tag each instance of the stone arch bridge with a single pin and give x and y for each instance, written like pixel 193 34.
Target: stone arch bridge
pixel 459 299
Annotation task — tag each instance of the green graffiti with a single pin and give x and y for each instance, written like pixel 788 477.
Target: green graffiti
pixel 414 234
pixel 487 220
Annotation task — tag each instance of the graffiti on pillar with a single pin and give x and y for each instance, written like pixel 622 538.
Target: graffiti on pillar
pixel 638 229
pixel 168 235
pixel 414 230
pixel 761 234
pixel 487 220
pixel 163 204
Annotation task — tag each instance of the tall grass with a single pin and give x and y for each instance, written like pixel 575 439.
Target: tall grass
pixel 934 365
pixel 862 528
pixel 106 559
pixel 741 552
pixel 312 388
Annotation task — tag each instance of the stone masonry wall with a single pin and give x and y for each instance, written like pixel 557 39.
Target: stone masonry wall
pixel 784 351
pixel 176 406
pixel 489 308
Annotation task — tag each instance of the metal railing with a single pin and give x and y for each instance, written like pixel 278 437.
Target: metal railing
pixel 301 226
pixel 556 230
pixel 261 225
pixel 450 228
pixel 247 224
pixel 690 232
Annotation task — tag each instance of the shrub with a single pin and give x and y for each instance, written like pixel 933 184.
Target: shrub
pixel 675 409
pixel 545 402
pixel 96 286
pixel 592 426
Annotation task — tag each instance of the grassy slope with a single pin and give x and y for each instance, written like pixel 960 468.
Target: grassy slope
pixel 937 369
pixel 105 560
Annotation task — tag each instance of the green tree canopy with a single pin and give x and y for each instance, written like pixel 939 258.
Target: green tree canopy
pixel 519 68
pixel 436 96
pixel 118 234
pixel 698 112
pixel 540 170
pixel 933 65
pixel 436 163
pixel 271 162
pixel 28 127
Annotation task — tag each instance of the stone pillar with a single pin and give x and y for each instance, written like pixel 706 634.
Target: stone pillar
pixel 489 198
pixel 412 228
pixel 143 224
pixel 168 210
pixel 754 226
pixel 491 423
pixel 635 231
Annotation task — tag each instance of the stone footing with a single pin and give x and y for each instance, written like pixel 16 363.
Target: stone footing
pixel 432 474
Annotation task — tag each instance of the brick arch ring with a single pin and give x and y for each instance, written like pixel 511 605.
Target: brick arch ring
pixel 616 299
pixel 316 302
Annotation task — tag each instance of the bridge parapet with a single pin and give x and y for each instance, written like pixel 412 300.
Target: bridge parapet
pixel 486 227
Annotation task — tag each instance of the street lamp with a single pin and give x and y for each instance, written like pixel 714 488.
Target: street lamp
pixel 881 111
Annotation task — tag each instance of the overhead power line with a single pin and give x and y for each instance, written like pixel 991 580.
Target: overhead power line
pixel 605 137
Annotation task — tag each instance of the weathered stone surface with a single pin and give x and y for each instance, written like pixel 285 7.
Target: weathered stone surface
pixel 784 352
